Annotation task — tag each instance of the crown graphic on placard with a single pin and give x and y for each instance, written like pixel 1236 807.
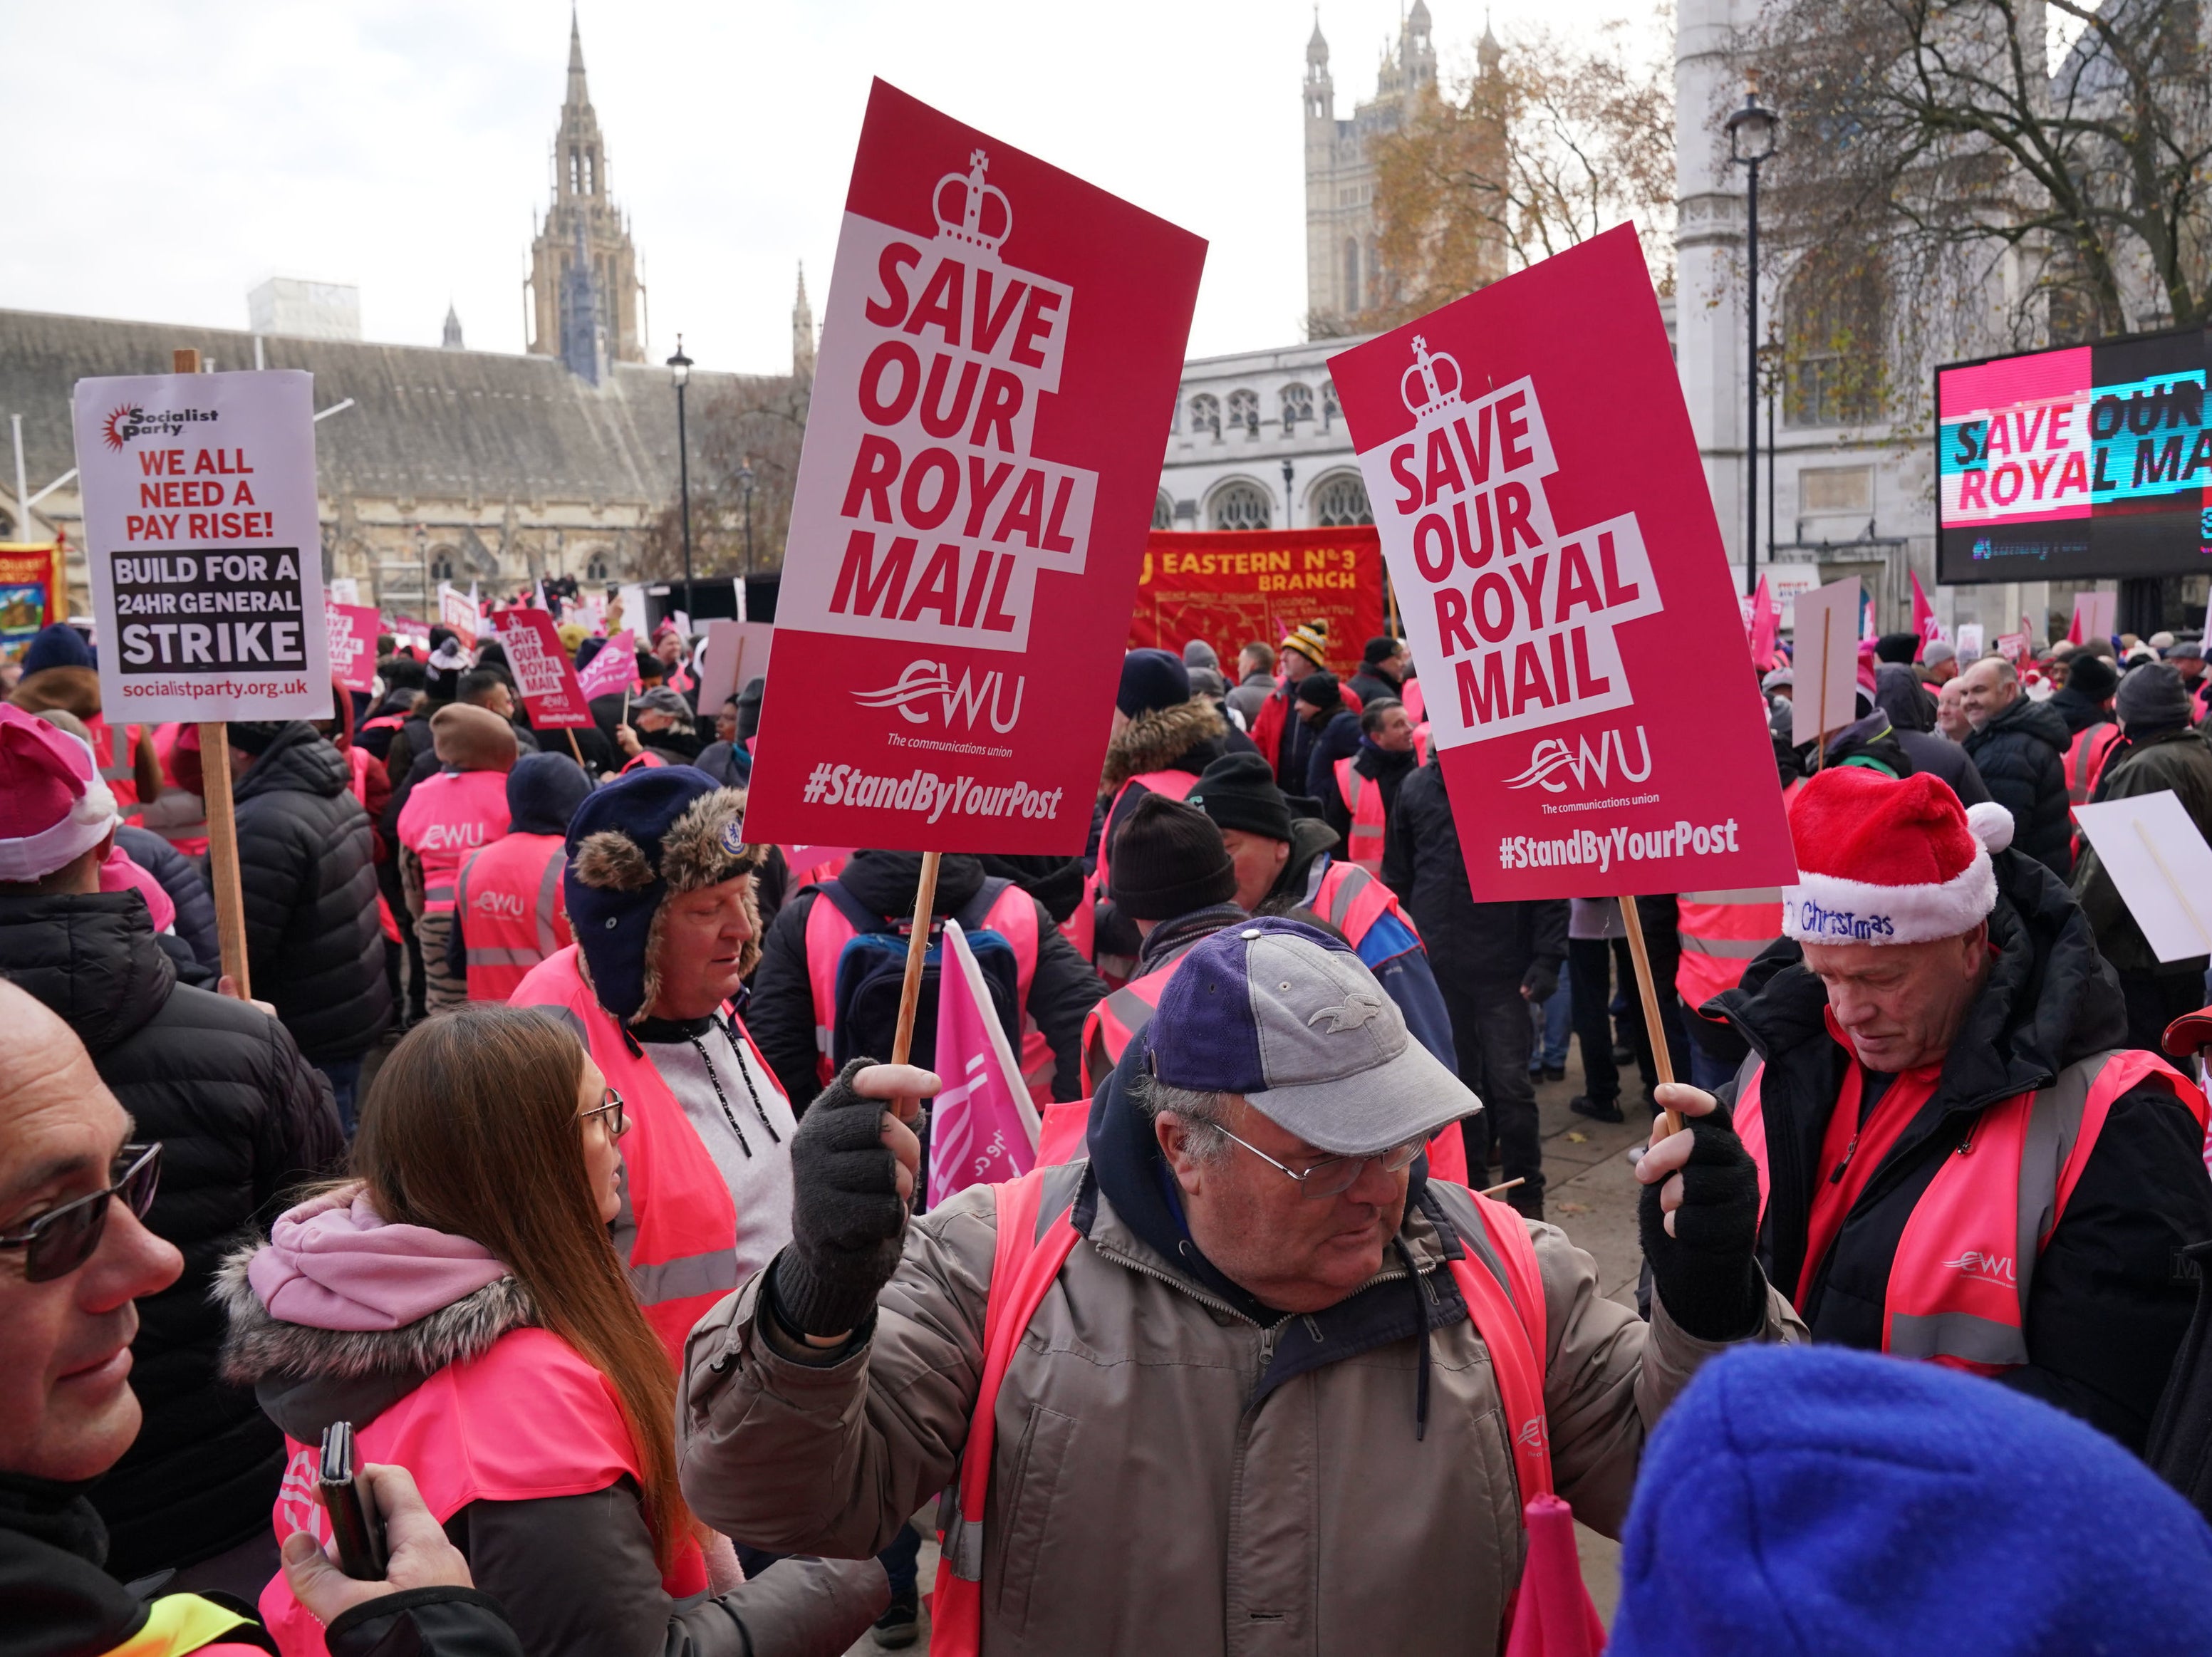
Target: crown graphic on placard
pixel 972 211
pixel 1431 382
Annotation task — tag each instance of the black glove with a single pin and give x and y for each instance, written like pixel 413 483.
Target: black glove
pixel 1541 981
pixel 845 1213
pixel 1706 1272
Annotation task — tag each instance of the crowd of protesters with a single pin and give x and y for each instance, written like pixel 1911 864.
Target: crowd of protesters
pixel 546 1145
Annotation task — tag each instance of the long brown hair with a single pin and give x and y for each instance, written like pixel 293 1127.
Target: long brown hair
pixel 471 1128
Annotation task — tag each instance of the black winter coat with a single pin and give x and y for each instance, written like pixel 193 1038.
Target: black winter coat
pixel 2107 1309
pixel 2020 754
pixel 306 859
pixel 242 1119
pixel 2178 760
pixel 780 1015
pixel 1421 863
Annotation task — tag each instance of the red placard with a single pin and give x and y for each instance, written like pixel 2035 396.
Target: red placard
pixel 1561 579
pixel 543 672
pixel 1234 587
pixel 999 357
pixel 353 628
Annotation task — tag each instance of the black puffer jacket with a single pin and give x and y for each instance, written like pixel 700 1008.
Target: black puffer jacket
pixel 2021 754
pixel 782 1013
pixel 1911 713
pixel 306 859
pixel 242 1119
pixel 2107 1308
pixel 1421 863
pixel 180 878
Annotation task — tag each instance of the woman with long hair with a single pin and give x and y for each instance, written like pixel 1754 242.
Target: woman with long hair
pixel 459 1301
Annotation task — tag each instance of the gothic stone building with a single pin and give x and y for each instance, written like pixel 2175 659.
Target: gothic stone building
pixel 449 464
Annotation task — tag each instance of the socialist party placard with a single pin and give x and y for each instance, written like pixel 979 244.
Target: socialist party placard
pixel 204 545
pixel 999 363
pixel 1552 541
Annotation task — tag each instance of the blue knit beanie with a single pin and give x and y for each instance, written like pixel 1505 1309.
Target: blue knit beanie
pixel 542 793
pixel 58 645
pixel 1152 680
pixel 644 837
pixel 1801 1500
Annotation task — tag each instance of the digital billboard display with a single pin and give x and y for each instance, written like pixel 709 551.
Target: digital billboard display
pixel 2091 460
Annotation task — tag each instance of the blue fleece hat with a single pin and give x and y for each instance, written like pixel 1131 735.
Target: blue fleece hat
pixel 1152 680
pixel 644 837
pixel 1816 1499
pixel 542 793
pixel 58 645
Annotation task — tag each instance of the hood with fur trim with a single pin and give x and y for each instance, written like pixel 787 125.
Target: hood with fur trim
pixel 1185 737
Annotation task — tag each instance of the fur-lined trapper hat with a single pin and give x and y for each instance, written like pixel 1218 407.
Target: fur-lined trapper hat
pixel 646 836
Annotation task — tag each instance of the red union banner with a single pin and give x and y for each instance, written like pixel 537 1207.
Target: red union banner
pixel 999 356
pixel 1553 543
pixel 1237 587
pixel 543 672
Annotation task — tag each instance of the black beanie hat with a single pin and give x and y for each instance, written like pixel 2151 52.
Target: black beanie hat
pixel 1238 791
pixel 1379 648
pixel 1151 681
pixel 2153 700
pixel 257 736
pixel 1319 689
pixel 1167 860
pixel 2092 677
pixel 1897 647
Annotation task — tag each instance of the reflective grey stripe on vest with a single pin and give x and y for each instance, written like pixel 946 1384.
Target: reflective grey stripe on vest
pixel 1732 948
pixel 548 889
pixel 1340 906
pixel 1736 895
pixel 2054 1124
pixel 437 894
pixel 1133 1011
pixel 549 895
pixel 714 1272
pixel 505 958
pixel 962 1543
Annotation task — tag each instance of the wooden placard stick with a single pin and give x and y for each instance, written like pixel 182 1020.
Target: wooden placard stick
pixel 917 945
pixel 222 811
pixel 577 751
pixel 1655 1032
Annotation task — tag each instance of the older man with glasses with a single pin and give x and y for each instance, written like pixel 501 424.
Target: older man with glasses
pixel 75 1259
pixel 1245 1379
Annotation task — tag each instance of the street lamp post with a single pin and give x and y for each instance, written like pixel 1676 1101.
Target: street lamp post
pixel 1751 132
pixel 745 487
pixel 679 371
pixel 1290 513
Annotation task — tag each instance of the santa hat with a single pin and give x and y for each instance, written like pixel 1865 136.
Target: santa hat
pixel 1889 860
pixel 54 806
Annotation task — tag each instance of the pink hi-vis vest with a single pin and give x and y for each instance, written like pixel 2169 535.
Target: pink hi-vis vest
pixel 683 1256
pixel 1363 799
pixel 1013 915
pixel 1498 1275
pixel 1959 1284
pixel 509 899
pixel 1352 898
pixel 528 1421
pixel 447 816
pixel 1722 933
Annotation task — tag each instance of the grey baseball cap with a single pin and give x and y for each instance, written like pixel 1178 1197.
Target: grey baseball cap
pixel 1290 1018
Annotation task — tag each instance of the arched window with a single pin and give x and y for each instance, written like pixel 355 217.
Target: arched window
pixel 1163 511
pixel 595 567
pixel 1206 416
pixel 1835 336
pixel 442 564
pixel 1350 277
pixel 1328 409
pixel 1244 411
pixel 1238 505
pixel 1297 405
pixel 575 174
pixel 590 173
pixel 1340 499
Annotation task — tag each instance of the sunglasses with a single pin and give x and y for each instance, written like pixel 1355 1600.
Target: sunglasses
pixel 56 1244
pixel 611 1114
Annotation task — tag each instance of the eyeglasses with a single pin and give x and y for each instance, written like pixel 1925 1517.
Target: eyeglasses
pixel 57 1243
pixel 611 1114
pixel 1334 1175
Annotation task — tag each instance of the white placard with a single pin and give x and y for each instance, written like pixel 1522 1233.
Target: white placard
pixel 732 654
pixel 1825 701
pixel 1787 582
pixel 343 590
pixel 2152 849
pixel 203 546
pixel 1970 642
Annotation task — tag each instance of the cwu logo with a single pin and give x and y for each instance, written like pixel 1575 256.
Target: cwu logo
pixel 1551 762
pixel 926 683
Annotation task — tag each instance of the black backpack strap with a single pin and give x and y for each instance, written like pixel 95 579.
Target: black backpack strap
pixel 972 913
pixel 863 919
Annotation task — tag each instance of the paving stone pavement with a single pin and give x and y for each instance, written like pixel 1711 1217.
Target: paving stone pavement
pixel 1591 1196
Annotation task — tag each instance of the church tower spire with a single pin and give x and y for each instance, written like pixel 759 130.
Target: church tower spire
pixel 583 245
pixel 802 331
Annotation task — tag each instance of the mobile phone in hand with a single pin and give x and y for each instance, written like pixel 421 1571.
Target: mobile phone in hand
pixel 355 1526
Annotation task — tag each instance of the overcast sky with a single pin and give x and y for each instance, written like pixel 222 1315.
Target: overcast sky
pixel 164 159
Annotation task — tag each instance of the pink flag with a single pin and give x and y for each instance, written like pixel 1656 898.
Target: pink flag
pixel 1923 616
pixel 613 669
pixel 983 1128
pixel 1766 623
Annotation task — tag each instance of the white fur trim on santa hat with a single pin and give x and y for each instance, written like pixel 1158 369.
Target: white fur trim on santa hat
pixel 1829 909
